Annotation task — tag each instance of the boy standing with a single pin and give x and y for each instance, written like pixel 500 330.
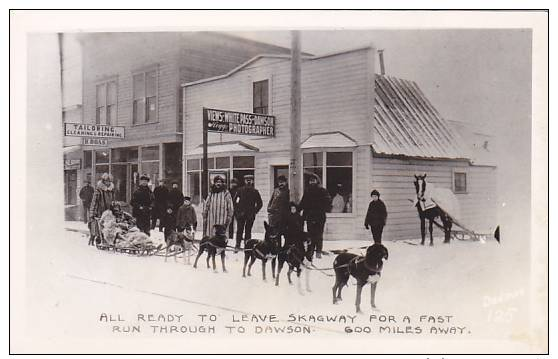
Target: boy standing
pixel 376 216
pixel 186 216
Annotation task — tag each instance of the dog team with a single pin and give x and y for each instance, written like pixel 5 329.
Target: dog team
pixel 285 239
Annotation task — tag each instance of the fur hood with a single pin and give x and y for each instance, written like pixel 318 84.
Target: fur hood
pixel 103 187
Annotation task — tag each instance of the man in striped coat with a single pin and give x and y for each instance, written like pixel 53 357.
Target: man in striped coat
pixel 218 207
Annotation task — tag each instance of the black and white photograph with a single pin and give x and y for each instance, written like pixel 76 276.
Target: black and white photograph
pixel 318 182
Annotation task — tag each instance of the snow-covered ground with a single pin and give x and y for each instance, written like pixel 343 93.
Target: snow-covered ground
pixel 479 290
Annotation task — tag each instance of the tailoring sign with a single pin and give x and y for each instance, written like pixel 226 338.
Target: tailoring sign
pixel 239 123
pixel 88 130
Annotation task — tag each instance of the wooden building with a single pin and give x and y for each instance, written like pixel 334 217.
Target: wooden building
pixel 133 80
pixel 360 131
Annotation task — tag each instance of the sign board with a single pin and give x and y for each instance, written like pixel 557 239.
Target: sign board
pixel 240 123
pixel 89 130
pixel 91 141
pixel 72 164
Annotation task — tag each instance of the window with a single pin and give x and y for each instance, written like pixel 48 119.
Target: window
pixel 260 97
pixel 105 109
pixel 241 166
pixel 145 97
pixel 150 163
pixel 460 182
pixel 336 175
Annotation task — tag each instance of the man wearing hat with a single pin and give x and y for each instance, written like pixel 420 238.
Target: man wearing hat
pixel 376 216
pixel 278 207
pixel 248 203
pixel 160 194
pixel 218 208
pixel 315 202
pixel 142 198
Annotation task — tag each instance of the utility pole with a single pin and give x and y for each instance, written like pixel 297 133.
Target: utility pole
pixel 295 168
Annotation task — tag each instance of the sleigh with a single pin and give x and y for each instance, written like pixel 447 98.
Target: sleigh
pixel 448 204
pixel 121 244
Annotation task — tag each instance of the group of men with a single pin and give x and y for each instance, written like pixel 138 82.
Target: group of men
pixel 225 206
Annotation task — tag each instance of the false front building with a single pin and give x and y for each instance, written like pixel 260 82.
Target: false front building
pixel 360 131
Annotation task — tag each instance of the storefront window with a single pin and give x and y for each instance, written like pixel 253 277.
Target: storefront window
pixel 194 186
pixel 150 153
pixel 87 159
pixel 336 175
pixel 151 169
pixel 242 166
pixel 102 156
pixel 126 154
pixel 223 162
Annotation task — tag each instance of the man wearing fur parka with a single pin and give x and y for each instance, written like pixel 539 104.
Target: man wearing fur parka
pixel 102 197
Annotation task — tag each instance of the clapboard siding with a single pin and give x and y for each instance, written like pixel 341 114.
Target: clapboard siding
pixel 333 90
pixel 394 179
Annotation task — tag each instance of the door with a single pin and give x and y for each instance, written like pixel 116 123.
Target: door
pixel 282 170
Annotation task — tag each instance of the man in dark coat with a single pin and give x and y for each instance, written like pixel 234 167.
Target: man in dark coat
pixel 160 194
pixel 86 196
pixel 233 189
pixel 278 207
pixel 247 204
pixel 376 216
pixel 142 198
pixel 175 197
pixel 315 202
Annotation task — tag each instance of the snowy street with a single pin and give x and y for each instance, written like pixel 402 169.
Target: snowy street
pixel 466 286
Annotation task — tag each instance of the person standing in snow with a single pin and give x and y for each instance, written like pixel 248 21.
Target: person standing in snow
pixel 186 216
pixel 141 205
pixel 101 201
pixel 376 217
pixel 218 207
pixel 160 197
pixel 86 196
pixel 248 204
pixel 278 207
pixel 315 202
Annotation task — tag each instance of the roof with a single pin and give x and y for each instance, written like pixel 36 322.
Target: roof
pixel 406 123
pixel 275 56
pixel 223 147
pixel 328 139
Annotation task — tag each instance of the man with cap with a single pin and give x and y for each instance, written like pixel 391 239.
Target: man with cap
pixel 101 201
pixel 142 198
pixel 247 204
pixel 233 189
pixel 278 207
pixel 315 202
pixel 218 208
pixel 376 216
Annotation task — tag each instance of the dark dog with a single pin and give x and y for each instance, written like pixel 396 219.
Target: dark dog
pixel 293 254
pixel 348 264
pixel 214 245
pixel 183 241
pixel 262 250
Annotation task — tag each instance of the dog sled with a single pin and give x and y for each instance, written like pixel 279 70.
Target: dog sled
pixel 131 242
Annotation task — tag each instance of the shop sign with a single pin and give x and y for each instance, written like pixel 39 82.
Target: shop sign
pixel 240 123
pixel 72 164
pixel 90 141
pixel 89 130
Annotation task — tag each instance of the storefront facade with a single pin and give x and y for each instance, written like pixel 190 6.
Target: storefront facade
pixel 344 107
pixel 141 93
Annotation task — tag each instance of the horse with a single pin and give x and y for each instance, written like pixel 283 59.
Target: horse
pixel 430 212
pixel 263 250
